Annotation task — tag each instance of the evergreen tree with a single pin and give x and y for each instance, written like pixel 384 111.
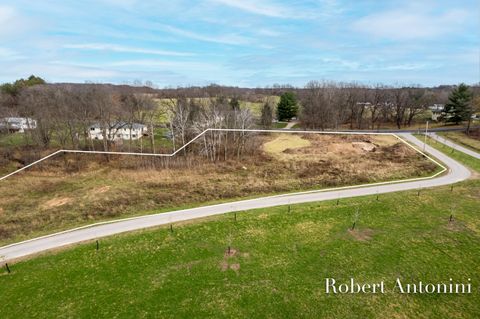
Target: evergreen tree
pixel 14 88
pixel 287 107
pixel 458 107
pixel 235 104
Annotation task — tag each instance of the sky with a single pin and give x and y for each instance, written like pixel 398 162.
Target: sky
pixel 246 43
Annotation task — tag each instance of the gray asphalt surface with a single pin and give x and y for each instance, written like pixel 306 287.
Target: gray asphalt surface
pixel 453 145
pixel 456 173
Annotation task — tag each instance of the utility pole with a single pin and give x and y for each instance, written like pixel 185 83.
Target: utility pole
pixel 425 140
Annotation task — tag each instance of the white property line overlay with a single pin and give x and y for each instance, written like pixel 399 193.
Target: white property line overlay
pixel 243 201
pixel 212 130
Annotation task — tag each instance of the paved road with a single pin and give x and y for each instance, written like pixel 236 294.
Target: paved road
pixel 454 146
pixel 290 125
pixel 418 130
pixel 456 172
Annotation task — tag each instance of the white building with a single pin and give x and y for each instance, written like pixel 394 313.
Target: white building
pixel 118 131
pixel 437 110
pixel 18 124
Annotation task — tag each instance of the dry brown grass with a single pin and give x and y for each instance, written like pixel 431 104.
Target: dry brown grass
pixel 49 199
pixel 361 234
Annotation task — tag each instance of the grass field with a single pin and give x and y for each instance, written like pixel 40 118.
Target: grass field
pixel 52 198
pixel 278 125
pixel 11 140
pixel 276 267
pixel 471 142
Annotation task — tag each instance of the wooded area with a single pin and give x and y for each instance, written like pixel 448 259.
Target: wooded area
pixel 65 112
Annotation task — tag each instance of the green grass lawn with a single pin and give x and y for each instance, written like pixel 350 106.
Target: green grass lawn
pixel 277 264
pixel 12 140
pixel 278 125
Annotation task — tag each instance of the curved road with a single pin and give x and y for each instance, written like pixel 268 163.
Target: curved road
pixel 456 172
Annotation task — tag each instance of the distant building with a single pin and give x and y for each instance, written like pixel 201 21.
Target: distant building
pixel 18 124
pixel 368 105
pixel 437 111
pixel 118 131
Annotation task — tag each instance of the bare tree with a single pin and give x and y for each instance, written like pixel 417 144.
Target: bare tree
pixel 267 112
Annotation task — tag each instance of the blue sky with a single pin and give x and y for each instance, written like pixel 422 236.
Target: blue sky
pixel 241 42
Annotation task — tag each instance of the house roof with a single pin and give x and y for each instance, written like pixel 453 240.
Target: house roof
pixel 119 125
pixel 16 119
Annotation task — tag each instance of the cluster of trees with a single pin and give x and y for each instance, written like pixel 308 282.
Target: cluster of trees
pixel 328 105
pixel 461 106
pixel 65 112
pixel 191 116
pixel 10 92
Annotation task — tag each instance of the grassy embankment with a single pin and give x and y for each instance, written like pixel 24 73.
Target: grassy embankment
pixel 472 142
pixel 468 160
pixel 53 198
pixel 276 267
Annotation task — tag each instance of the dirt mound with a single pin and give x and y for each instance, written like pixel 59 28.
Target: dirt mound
pixel 398 150
pixel 365 146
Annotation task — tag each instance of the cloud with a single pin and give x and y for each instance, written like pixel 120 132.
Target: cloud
pixel 11 22
pixel 7 14
pixel 125 49
pixel 121 3
pixel 408 24
pixel 257 7
pixel 58 72
pixel 231 39
pixel 7 54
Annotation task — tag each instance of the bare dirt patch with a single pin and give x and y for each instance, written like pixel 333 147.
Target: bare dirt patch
pixel 230 253
pixel 56 202
pixel 365 146
pixel 455 227
pixel 361 234
pixel 101 190
pixel 235 267
pixel 225 264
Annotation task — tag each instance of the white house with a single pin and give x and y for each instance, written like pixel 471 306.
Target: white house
pixel 118 131
pixel 437 110
pixel 18 124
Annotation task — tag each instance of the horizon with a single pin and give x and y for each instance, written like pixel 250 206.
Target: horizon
pixel 261 43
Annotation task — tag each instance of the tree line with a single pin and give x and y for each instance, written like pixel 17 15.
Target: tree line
pixel 64 112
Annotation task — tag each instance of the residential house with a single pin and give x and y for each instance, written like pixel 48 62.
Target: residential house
pixel 437 111
pixel 18 124
pixel 118 131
